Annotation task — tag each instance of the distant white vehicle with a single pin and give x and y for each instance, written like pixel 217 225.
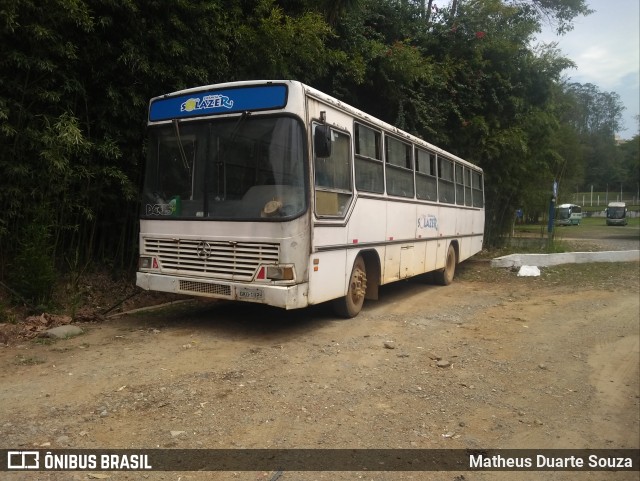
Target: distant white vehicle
pixel 616 213
pixel 568 214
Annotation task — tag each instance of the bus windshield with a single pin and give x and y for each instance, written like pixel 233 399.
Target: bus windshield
pixel 241 168
pixel 616 212
pixel 563 213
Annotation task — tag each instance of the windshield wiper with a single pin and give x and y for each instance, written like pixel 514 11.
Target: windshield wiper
pixel 183 154
pixel 242 118
pixel 221 155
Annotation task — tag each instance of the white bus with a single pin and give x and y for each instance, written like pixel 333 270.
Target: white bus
pixel 616 213
pixel 273 192
pixel 568 214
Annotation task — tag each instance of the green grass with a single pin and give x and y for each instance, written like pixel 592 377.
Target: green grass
pixel 533 238
pixel 590 222
pixel 597 226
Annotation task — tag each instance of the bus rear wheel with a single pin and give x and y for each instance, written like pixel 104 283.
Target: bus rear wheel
pixel 444 277
pixel 350 305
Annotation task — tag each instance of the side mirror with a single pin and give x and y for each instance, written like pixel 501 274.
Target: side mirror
pixel 322 141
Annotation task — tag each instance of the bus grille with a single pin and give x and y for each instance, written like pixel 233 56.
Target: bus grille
pixel 205 288
pixel 234 261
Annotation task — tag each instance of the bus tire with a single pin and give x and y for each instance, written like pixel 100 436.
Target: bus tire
pixel 444 277
pixel 350 305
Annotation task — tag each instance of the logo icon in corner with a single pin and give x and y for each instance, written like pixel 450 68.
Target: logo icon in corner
pixel 23 460
pixel 203 250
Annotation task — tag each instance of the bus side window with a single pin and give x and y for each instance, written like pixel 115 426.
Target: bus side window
pixel 477 188
pixel 399 168
pixel 426 181
pixel 333 191
pixel 459 184
pixel 467 187
pixel 446 188
pixel 368 162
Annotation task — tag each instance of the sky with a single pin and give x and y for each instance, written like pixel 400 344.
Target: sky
pixel 605 48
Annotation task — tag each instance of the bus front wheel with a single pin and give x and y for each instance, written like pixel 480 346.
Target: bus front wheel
pixel 444 277
pixel 350 305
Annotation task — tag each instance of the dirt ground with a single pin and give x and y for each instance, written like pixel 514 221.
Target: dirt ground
pixel 492 361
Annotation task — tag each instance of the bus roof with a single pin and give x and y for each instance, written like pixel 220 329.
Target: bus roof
pixel 567 206
pixel 617 204
pixel 321 96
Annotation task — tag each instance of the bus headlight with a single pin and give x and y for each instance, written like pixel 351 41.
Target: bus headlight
pixel 144 263
pixel 280 273
pixel 275 273
pixel 148 263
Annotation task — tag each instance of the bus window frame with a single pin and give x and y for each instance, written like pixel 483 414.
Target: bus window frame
pixel 445 182
pixel 395 167
pixel 363 159
pixel 430 176
pixel 329 197
pixel 479 175
pixel 468 195
pixel 458 174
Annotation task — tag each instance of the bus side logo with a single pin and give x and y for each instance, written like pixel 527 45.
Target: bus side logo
pixel 428 222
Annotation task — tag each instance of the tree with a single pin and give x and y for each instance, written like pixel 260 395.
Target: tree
pixel 40 134
pixel 269 43
pixel 559 13
pixel 595 116
pixel 502 105
pixel 629 158
pixel 77 76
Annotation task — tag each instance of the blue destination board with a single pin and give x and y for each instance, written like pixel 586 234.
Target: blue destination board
pixel 216 102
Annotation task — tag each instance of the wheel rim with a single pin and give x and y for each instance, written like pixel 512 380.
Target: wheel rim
pixel 451 265
pixel 358 286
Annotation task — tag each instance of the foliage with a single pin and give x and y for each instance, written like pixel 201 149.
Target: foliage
pixel 629 162
pixel 558 13
pixel 76 77
pixel 593 117
pixel 268 43
pixel 32 272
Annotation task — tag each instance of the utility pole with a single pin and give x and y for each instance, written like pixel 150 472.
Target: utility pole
pixel 552 212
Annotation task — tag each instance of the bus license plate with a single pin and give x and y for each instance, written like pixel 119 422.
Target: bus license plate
pixel 250 293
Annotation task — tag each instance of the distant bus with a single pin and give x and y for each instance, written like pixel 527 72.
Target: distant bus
pixel 616 213
pixel 273 192
pixel 568 214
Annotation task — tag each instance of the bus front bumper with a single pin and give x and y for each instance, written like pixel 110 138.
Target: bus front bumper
pixel 286 297
pixel 565 222
pixel 616 221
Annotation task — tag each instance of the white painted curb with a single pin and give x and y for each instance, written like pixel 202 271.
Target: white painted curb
pixel 544 260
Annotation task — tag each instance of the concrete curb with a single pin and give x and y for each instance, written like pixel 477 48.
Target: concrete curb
pixel 544 260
